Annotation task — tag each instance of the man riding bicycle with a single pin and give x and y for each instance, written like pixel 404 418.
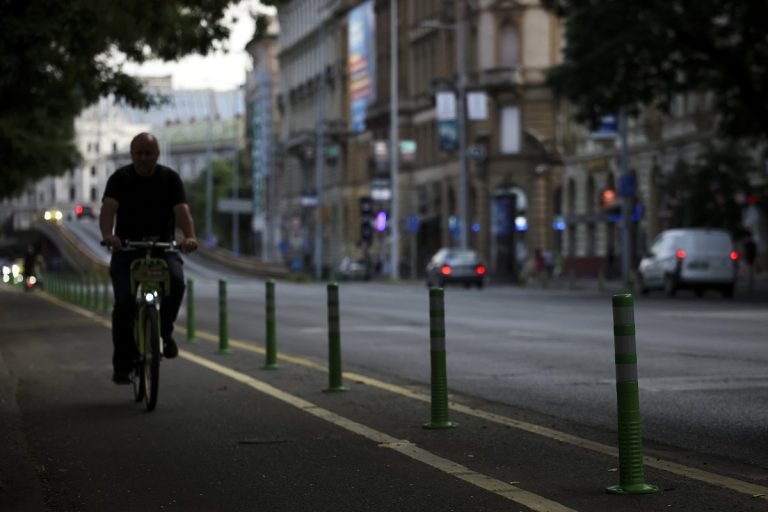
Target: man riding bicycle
pixel 143 200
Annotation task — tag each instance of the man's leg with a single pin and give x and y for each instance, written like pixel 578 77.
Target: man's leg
pixel 125 352
pixel 171 304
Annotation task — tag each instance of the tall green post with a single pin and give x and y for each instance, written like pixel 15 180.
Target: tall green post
pixel 632 473
pixel 190 311
pixel 223 320
pixel 334 340
pixel 271 352
pixel 106 302
pixel 439 405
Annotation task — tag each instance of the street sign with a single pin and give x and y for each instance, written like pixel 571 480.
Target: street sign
pixel 627 186
pixel 477 152
pixel 229 205
pixel 412 224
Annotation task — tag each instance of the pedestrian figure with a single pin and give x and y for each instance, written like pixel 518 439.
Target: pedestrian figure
pixel 750 254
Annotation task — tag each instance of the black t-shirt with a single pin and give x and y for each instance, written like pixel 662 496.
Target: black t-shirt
pixel 145 202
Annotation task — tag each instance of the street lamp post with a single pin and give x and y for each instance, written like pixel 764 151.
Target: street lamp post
pixel 394 227
pixel 461 86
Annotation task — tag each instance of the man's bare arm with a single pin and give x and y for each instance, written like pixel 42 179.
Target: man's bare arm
pixel 109 208
pixel 187 226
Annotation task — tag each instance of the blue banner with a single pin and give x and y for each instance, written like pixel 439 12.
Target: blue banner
pixel 361 63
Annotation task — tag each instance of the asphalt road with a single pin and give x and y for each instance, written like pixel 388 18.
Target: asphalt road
pixel 86 232
pixel 702 361
pixel 536 359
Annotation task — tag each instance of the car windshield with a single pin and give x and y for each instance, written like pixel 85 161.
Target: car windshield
pixel 461 257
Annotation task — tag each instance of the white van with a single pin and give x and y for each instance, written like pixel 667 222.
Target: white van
pixel 692 258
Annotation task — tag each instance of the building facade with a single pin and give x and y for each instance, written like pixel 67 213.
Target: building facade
pixel 262 88
pixel 592 240
pixel 513 167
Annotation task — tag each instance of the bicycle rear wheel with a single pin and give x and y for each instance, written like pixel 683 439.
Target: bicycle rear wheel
pixel 151 366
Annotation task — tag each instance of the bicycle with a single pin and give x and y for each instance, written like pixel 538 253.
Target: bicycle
pixel 150 280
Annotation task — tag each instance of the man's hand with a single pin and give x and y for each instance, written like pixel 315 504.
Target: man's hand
pixel 188 245
pixel 113 242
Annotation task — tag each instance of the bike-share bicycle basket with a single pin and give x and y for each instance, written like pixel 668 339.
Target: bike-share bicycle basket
pixel 151 274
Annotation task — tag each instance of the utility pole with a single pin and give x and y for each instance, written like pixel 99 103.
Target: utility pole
pixel 462 129
pixel 319 155
pixel 626 200
pixel 209 174
pixel 394 147
pixel 461 91
pixel 235 213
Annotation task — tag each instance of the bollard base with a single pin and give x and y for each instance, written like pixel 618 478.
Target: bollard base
pixel 632 489
pixel 271 366
pixel 192 341
pixel 437 425
pixel 224 351
pixel 336 389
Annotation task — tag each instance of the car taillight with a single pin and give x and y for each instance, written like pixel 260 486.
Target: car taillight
pixel 680 254
pixel 480 270
pixel 734 256
pixel 79 209
pixel 446 270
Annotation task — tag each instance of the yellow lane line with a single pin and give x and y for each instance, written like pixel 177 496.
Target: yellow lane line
pixel 740 486
pixel 405 447
pixel 708 477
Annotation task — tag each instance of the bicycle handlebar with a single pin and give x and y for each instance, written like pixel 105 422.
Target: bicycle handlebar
pixel 132 245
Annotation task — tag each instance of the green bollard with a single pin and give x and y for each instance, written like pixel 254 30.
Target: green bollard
pixel 106 284
pixel 190 311
pixel 80 291
pixel 335 382
pixel 271 352
pixel 437 357
pixel 631 471
pixel 223 324
pixel 93 289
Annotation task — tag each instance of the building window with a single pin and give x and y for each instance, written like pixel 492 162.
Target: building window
pixel 114 147
pixel 571 205
pixel 590 195
pixel 93 193
pixel 510 46
pixel 93 170
pixel 72 193
pixel 510 130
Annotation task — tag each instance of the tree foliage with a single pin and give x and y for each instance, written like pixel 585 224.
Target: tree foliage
pixel 636 53
pixel 711 191
pixel 221 223
pixel 57 57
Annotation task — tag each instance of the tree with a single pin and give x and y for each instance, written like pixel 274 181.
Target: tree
pixel 638 53
pixel 709 193
pixel 56 58
pixel 221 223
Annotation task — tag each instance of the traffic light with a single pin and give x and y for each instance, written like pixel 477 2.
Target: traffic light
pixel 366 217
pixel 366 231
pixel 609 201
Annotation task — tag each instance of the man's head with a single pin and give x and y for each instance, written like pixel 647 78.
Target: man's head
pixel 144 153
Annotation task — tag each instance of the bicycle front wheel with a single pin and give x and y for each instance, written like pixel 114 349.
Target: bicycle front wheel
pixel 151 371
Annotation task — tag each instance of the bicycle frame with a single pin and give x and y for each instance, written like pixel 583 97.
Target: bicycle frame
pixel 150 280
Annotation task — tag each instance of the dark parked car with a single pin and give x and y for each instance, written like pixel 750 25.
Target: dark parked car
pixel 461 266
